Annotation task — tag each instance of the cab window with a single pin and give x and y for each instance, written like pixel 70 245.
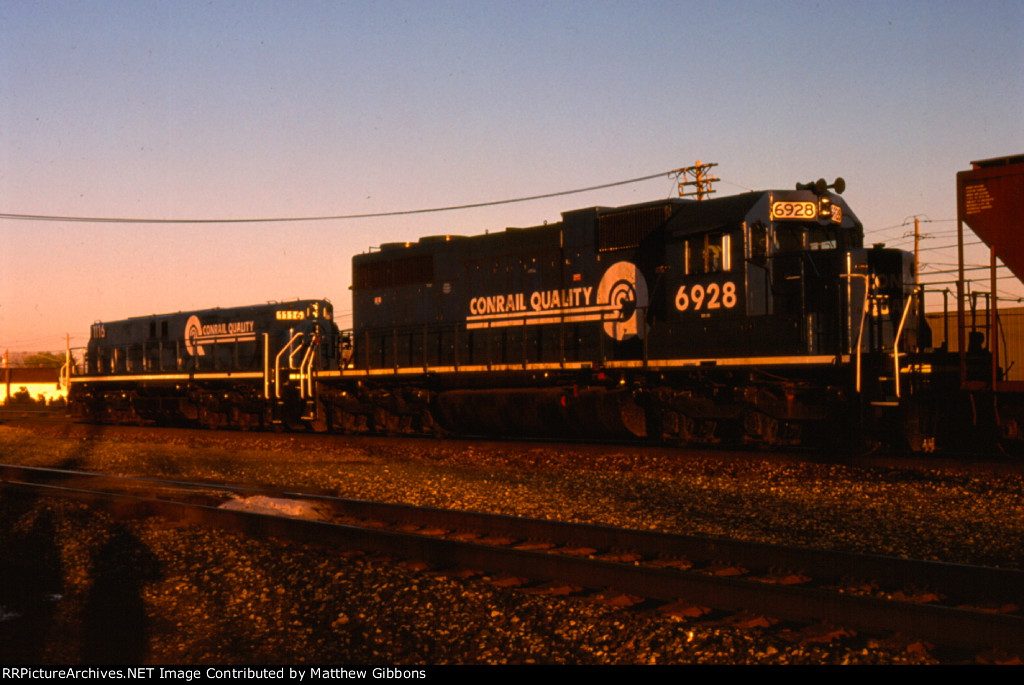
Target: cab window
pixel 709 253
pixel 789 237
pixel 822 238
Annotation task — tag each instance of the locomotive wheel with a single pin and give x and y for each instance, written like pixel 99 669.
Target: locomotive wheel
pixel 759 427
pixel 211 418
pixel 243 420
pixel 342 421
pixel 352 423
pixel 429 426
pixel 678 427
pixel 385 422
pixel 687 428
pixel 770 431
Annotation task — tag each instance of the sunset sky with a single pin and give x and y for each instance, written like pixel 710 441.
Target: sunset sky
pixel 237 110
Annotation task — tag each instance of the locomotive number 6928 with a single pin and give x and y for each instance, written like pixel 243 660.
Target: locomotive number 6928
pixel 710 296
pixel 793 210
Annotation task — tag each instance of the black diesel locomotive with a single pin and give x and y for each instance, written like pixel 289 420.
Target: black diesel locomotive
pixel 242 367
pixel 759 317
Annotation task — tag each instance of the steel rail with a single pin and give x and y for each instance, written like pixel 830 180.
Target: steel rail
pixel 940 624
pixel 964 583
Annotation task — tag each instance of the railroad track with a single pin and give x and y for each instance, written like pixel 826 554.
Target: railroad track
pixel 945 604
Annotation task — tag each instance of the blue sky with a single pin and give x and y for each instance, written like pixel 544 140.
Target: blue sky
pixel 275 109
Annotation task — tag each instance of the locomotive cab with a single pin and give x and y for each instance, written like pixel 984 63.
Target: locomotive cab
pixel 810 236
pixel 758 271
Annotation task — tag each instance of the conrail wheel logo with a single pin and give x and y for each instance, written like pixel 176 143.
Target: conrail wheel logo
pixel 198 334
pixel 624 288
pixel 193 331
pixel 618 304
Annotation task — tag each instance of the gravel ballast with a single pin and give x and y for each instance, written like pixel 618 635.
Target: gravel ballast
pixel 87 588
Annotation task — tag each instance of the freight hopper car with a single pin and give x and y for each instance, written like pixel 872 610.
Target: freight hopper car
pixel 240 367
pixel 759 317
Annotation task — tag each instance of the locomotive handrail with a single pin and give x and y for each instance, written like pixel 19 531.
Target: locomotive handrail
pixel 896 339
pixel 306 370
pixel 73 368
pixel 860 328
pixel 277 363
pixel 266 366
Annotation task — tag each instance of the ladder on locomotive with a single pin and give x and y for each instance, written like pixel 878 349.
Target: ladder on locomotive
pixel 889 379
pixel 304 372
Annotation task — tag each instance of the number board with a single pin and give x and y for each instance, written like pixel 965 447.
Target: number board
pixel 794 210
pixel 799 211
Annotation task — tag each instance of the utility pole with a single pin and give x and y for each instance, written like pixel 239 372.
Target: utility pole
pixel 917 241
pixel 917 247
pixel 701 180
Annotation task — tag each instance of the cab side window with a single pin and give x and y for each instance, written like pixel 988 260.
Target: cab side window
pixel 759 243
pixel 709 253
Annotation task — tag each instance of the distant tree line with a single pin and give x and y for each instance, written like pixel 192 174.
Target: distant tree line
pixel 23 399
pixel 39 360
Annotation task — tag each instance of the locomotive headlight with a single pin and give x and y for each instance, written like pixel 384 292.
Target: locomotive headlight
pixel 825 207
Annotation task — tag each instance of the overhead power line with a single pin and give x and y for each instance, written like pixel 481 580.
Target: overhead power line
pixel 118 220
